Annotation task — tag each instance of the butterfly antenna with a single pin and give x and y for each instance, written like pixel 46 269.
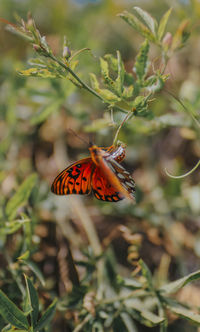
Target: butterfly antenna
pixel 91 139
pixel 79 137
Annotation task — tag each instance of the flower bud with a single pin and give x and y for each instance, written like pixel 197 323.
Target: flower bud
pixel 167 40
pixel 66 52
pixel 36 47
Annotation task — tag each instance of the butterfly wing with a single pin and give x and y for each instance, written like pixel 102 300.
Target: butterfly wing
pixel 75 179
pixel 123 176
pixel 110 180
pixel 102 188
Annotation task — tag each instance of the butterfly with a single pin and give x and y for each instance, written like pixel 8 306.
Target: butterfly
pixel 100 173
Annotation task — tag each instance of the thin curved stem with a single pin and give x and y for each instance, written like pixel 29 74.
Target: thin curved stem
pixel 185 108
pixel 184 175
pixel 119 128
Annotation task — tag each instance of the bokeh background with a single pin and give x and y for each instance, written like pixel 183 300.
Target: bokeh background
pixel 167 213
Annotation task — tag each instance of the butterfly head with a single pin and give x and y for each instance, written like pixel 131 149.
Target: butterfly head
pixel 95 152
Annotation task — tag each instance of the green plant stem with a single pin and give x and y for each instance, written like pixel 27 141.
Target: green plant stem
pixel 83 84
pixel 185 108
pixel 118 130
pixel 184 175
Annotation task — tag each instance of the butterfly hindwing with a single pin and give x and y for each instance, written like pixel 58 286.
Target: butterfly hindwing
pixel 123 175
pixel 111 182
pixel 102 188
pixel 75 179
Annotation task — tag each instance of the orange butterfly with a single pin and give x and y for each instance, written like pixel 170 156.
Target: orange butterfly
pixel 101 173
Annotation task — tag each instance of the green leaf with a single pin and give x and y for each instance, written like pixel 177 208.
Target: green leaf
pixel 120 76
pixel 185 313
pixel 155 83
pixel 24 256
pixel 11 227
pixel 21 196
pixel 47 316
pixel 109 96
pixel 141 64
pixel 150 316
pixel 174 286
pixel 11 328
pixel 137 25
pixel 129 283
pixel 128 322
pixel 146 273
pixel 33 300
pixel 46 111
pixel 163 24
pixel 11 313
pixel 141 106
pixel 94 82
pixel 35 269
pixel 105 72
pixel 36 72
pixel 147 19
pixel 113 62
pixel 137 311
pixel 128 92
pixel 181 35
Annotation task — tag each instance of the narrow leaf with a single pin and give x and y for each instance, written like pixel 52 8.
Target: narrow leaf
pixel 11 313
pixel 128 92
pixel 129 283
pixel 147 19
pixel 120 75
pixel 113 63
pixel 163 24
pixel 38 72
pixel 33 300
pixel 185 313
pixel 141 64
pixel 146 273
pixel 128 322
pixel 47 316
pixel 145 317
pixel 36 270
pixel 45 112
pixel 174 286
pixel 108 95
pixel 105 73
pixel 24 256
pixel 181 35
pixel 11 227
pixel 21 196
pixel 11 328
pixel 94 82
pixel 138 26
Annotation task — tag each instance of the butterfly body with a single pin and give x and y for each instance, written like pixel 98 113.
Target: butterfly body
pixel 101 173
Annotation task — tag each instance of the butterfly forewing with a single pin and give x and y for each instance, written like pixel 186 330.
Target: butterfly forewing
pixel 75 179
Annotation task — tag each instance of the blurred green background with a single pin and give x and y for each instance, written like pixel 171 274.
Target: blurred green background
pixel 167 213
